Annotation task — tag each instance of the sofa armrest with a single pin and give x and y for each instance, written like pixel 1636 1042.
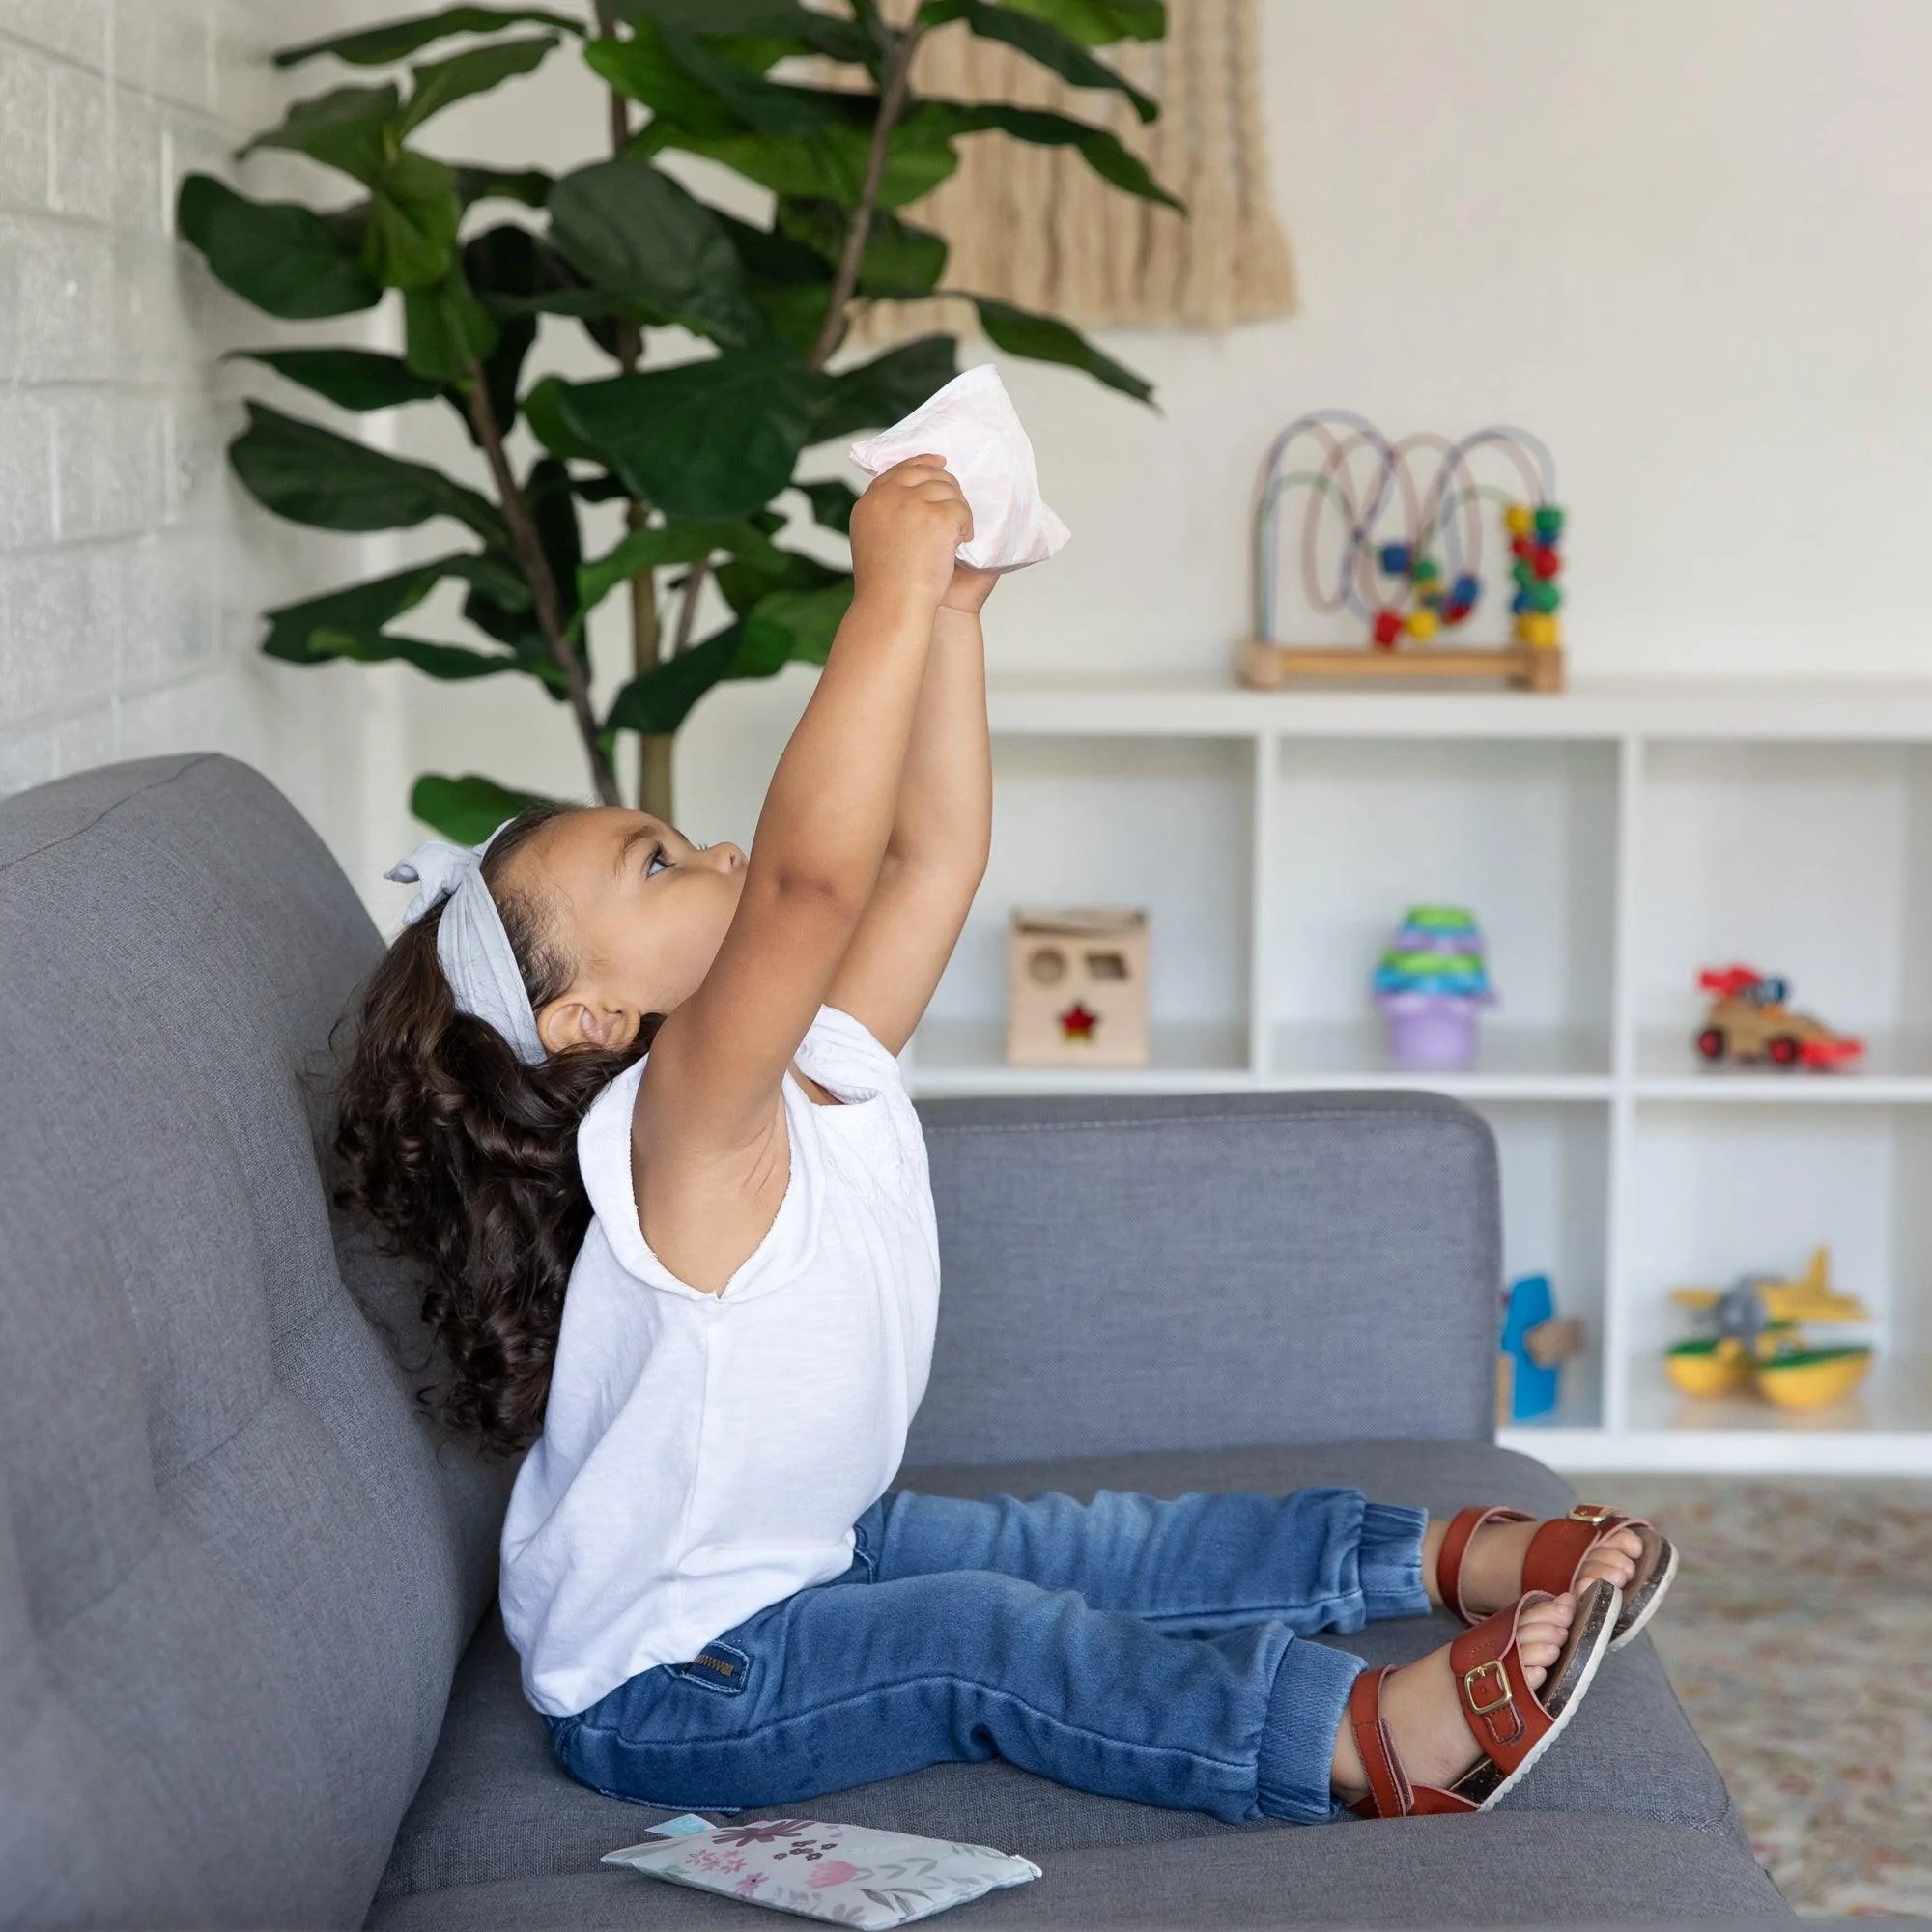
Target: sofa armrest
pixel 1204 1270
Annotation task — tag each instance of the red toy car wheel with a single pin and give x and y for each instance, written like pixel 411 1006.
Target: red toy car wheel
pixel 1711 1042
pixel 1783 1049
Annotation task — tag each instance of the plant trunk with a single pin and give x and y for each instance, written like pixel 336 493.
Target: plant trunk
pixel 654 754
pixel 654 768
pixel 654 784
pixel 535 565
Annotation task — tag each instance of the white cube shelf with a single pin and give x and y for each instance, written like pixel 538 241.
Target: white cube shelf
pixel 1613 840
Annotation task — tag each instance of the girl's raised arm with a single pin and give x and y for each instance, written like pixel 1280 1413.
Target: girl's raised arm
pixel 711 1083
pixel 937 853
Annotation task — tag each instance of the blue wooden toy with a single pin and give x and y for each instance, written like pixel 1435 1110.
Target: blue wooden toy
pixel 1535 1345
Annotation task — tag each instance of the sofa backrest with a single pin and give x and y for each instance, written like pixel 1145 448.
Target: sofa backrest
pixel 237 1570
pixel 1130 1271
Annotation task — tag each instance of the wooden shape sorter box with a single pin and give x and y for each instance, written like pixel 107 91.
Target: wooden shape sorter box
pixel 1077 987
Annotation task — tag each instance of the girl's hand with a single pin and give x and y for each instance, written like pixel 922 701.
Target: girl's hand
pixel 969 589
pixel 904 530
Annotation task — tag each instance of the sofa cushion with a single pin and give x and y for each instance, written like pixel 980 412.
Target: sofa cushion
pixel 235 1576
pixel 1527 1868
pixel 496 1810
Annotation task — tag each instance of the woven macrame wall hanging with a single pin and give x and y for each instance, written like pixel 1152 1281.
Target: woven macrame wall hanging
pixel 1037 227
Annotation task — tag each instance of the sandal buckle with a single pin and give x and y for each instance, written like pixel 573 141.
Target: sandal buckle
pixel 1501 1677
pixel 1594 1513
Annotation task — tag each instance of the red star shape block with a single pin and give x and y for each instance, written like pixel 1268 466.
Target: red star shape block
pixel 1077 1022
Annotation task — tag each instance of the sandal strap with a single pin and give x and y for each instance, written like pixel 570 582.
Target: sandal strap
pixel 1505 1716
pixel 1390 1795
pixel 1456 1545
pixel 1558 1548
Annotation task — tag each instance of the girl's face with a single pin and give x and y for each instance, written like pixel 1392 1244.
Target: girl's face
pixel 638 908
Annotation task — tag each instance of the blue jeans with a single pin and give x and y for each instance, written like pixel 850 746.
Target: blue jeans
pixel 1141 1648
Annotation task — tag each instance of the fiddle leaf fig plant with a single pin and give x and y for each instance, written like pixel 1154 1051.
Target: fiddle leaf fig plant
pixel 699 445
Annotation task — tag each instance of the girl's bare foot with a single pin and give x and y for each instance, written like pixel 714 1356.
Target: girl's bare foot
pixel 1493 1565
pixel 1423 1706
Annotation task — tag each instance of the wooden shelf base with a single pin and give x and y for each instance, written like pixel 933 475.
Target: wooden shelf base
pixel 1519 666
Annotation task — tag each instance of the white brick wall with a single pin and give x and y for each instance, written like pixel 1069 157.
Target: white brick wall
pixel 131 571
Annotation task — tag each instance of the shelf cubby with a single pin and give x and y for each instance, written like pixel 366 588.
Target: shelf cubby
pixel 1554 1162
pixel 1523 833
pixel 1164 823
pixel 1810 861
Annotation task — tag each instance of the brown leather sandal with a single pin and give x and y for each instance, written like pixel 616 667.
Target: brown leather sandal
pixel 1556 1554
pixel 1512 1723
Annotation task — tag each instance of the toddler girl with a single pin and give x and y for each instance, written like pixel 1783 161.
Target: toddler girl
pixel 636 1106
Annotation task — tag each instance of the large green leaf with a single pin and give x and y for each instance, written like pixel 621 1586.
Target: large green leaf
pixel 284 258
pixel 795 314
pixel 348 127
pixel 349 623
pixel 413 215
pixel 765 105
pixel 754 54
pixel 799 624
pixel 1039 40
pixel 783 627
pixel 369 606
pixel 476 181
pixel 449 332
pixel 807 28
pixel 311 475
pixel 505 265
pixel 1044 338
pixel 441 84
pixel 789 283
pixel 645 69
pixel 658 701
pixel 351 379
pixel 542 410
pixel 712 438
pixel 469 808
pixel 1098 24
pixel 445 660
pixel 553 510
pixel 505 611
pixel 932 120
pixel 638 237
pixel 900 264
pixel 748 578
pixel 397 39
pixel 831 503
pixel 830 164
pixel 884 389
pixel 769 257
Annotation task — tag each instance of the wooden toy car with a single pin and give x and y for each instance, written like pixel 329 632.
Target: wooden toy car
pixel 1749 1019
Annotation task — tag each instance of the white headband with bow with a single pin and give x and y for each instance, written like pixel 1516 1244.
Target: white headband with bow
pixel 470 943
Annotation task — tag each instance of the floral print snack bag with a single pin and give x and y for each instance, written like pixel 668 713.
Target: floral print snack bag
pixel 845 1874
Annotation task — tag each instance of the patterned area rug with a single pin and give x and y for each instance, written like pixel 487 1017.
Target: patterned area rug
pixel 1800 1638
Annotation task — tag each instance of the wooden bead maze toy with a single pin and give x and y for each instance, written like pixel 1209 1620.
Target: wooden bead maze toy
pixel 1389 540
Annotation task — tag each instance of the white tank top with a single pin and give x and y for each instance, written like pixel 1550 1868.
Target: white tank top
pixel 705 1455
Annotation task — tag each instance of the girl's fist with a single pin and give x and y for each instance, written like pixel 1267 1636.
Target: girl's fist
pixel 905 529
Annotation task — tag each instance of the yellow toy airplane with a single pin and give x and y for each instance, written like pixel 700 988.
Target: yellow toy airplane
pixel 1810 1298
pixel 1752 1338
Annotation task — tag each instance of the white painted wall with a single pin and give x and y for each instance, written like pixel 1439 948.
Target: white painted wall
pixel 131 569
pixel 1689 246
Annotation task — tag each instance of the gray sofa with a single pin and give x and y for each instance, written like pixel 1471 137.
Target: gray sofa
pixel 250 1669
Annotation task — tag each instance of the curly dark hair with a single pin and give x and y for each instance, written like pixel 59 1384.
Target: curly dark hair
pixel 467 1158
